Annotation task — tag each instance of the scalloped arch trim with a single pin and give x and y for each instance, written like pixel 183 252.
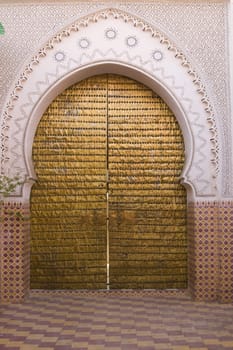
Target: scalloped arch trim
pixel 113 38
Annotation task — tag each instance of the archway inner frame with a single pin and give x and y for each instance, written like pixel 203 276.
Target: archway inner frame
pixel 59 64
pixel 134 206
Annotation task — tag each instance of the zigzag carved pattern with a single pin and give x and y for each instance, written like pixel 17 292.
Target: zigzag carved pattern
pixel 84 22
pixel 64 68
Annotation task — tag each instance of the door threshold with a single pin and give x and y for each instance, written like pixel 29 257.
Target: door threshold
pixel 112 292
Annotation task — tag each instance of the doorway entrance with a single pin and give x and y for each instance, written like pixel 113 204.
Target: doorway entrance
pixel 108 211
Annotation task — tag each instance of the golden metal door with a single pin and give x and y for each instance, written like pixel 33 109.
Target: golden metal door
pixel 108 210
pixel 68 203
pixel 147 204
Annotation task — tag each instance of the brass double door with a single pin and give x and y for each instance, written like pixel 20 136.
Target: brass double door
pixel 107 210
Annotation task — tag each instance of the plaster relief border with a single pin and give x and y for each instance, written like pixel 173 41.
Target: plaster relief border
pixel 34 83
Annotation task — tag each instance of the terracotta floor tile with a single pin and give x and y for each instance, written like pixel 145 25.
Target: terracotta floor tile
pixel 134 321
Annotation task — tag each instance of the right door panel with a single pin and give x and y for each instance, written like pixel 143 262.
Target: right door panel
pixel 147 205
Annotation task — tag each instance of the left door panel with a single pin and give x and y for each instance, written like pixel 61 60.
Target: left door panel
pixel 68 202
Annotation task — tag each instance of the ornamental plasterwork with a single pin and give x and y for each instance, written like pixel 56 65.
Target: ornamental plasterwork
pixel 191 25
pixel 156 56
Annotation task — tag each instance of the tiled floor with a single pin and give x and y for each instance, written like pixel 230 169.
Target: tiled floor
pixel 131 321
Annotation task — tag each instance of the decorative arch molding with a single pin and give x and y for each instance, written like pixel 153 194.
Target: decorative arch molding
pixel 112 41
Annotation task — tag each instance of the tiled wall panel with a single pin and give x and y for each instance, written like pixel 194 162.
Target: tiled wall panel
pixel 15 252
pixel 226 251
pixel 210 241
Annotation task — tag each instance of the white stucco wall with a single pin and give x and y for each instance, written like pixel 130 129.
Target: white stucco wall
pixel 199 30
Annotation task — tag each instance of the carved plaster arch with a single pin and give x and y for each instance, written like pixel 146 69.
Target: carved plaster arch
pixel 112 41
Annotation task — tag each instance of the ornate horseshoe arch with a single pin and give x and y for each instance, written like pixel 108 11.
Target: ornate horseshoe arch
pixel 112 41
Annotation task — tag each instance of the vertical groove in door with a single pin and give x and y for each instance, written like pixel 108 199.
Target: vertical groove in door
pixel 147 205
pixel 107 192
pixel 68 202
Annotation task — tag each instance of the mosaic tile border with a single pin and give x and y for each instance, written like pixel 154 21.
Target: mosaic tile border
pixel 226 252
pixel 210 245
pixel 14 252
pixel 203 247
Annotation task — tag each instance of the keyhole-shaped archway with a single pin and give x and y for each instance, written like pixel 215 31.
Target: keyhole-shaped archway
pixel 108 211
pixel 112 41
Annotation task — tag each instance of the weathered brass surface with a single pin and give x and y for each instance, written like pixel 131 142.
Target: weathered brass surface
pixel 108 155
pixel 68 230
pixel 147 205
